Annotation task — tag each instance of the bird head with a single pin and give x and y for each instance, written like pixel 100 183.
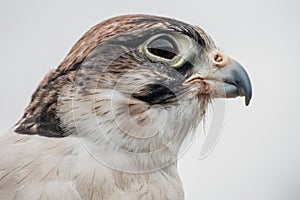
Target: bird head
pixel 135 86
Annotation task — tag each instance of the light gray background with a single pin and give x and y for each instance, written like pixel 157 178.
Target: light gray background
pixel 258 155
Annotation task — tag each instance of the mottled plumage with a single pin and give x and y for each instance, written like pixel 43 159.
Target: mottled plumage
pixel 109 122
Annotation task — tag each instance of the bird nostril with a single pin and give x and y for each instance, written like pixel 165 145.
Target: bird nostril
pixel 220 59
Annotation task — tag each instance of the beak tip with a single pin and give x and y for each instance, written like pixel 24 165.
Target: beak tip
pixel 243 81
pixel 247 100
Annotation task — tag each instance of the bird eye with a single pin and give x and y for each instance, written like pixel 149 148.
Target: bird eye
pixel 163 47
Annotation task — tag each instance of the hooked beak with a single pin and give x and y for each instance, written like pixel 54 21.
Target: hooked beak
pixel 229 80
pixel 236 82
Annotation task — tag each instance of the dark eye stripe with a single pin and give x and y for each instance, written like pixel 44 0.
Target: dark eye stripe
pixel 156 94
pixel 163 47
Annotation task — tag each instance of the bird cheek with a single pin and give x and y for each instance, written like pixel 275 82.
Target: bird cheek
pixel 199 85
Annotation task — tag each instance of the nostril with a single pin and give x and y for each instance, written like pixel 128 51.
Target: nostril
pixel 219 59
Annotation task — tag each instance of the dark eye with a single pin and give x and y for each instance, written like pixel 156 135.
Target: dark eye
pixel 163 47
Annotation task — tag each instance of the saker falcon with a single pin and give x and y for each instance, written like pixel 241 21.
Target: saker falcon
pixel 108 123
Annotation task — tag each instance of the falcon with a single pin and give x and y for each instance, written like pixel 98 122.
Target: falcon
pixel 109 121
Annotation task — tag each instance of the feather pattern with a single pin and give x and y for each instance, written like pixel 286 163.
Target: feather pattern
pixel 110 122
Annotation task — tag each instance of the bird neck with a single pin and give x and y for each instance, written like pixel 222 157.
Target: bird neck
pixel 110 131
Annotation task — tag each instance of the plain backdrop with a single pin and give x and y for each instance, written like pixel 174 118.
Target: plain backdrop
pixel 258 155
